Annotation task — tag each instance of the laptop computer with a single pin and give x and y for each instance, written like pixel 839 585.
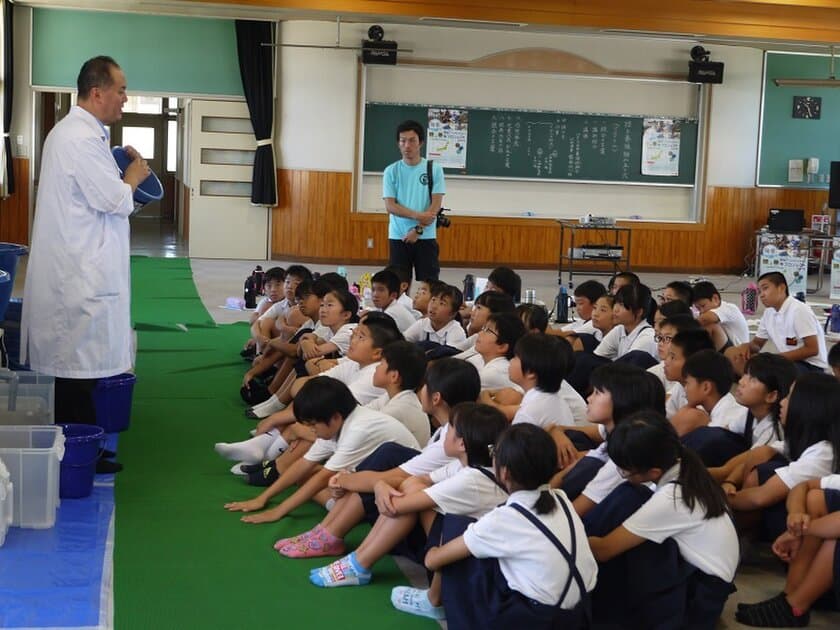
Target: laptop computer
pixel 784 221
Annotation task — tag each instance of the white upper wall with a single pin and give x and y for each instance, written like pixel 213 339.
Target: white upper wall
pixel 22 102
pixel 318 97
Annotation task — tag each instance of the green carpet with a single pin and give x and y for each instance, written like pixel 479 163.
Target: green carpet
pixel 182 561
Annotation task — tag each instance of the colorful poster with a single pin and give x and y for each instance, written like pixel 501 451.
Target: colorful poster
pixel 661 147
pixel 446 137
pixel 787 253
pixel 834 293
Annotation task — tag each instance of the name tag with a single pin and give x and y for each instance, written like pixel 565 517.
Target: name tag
pixel 790 341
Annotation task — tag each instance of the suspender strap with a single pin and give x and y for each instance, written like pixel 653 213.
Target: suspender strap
pixel 571 558
pixel 490 476
pixel 748 428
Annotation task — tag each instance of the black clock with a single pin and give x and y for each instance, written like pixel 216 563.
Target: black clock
pixel 809 107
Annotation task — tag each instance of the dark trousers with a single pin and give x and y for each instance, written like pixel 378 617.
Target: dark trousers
pixel 422 256
pixel 74 400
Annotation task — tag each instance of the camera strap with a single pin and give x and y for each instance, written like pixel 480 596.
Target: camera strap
pixel 429 179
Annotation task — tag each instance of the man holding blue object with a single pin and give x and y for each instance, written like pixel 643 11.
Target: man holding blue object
pixel 76 309
pixel 413 205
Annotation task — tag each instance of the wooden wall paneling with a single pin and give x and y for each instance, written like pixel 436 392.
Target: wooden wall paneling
pixel 313 222
pixel 14 210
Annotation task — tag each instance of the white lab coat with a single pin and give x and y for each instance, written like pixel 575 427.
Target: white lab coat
pixel 76 305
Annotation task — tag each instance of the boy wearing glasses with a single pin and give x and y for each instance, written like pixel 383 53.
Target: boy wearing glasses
pixel 495 344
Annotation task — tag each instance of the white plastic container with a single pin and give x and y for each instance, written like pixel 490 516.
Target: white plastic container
pixel 26 398
pixel 32 455
pixel 6 502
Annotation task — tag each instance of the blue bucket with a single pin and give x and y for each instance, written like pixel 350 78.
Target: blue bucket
pixel 9 254
pixel 83 445
pixel 112 398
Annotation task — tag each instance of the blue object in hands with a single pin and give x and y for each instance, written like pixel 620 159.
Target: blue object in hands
pixel 150 189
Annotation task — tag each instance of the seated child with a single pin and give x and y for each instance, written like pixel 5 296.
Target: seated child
pixel 666 329
pixel 789 324
pixel 632 333
pixel 465 487
pixel 525 564
pixel 534 316
pixel 670 309
pixel 485 304
pixel 273 290
pixel 505 280
pixel 683 345
pixel 765 383
pixel 687 508
pixel 422 297
pixel 346 434
pixel 619 391
pixel 678 290
pixel 724 321
pixel 273 322
pixel 356 371
pixel 758 481
pixel 440 327
pixel 586 294
pixel 809 546
pixel 331 339
pixel 495 345
pixel 449 382
pixel 405 286
pixel 400 373
pixel 622 279
pixel 385 288
pixel 707 381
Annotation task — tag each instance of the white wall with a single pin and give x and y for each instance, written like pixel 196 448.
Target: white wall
pixel 318 101
pixel 22 103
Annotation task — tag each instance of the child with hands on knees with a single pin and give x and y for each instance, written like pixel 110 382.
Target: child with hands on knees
pixel 525 564
pixel 346 433
pixel 273 289
pixel 465 486
pixel 449 382
pixel 273 322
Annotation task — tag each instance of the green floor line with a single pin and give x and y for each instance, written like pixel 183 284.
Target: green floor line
pixel 180 560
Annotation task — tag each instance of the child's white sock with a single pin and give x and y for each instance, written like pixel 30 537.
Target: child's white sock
pixel 268 407
pixel 277 446
pixel 251 451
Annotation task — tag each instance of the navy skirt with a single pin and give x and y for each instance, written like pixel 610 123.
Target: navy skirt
pixel 476 595
pixel 773 517
pixel 715 445
pixel 581 474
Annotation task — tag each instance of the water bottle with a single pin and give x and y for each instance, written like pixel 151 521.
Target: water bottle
pixel 749 299
pixel 258 275
pixel 250 293
pixel 562 306
pixel 834 319
pixel 469 287
pixel 800 295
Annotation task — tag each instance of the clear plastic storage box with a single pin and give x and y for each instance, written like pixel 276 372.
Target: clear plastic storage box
pixel 6 502
pixel 26 398
pixel 32 455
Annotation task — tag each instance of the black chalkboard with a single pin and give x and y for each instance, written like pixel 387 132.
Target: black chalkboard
pixel 523 144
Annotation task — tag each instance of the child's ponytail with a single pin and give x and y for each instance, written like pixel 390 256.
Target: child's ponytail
pixel 698 486
pixel 529 457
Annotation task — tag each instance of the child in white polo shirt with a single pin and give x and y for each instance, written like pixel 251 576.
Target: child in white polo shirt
pixel 385 288
pixel 495 344
pixel 724 321
pixel 440 326
pixel 346 434
pixel 789 324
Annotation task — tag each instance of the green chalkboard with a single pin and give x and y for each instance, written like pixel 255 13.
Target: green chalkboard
pixel 161 54
pixel 784 137
pixel 523 144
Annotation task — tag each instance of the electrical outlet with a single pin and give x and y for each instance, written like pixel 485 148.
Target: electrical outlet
pixel 370 243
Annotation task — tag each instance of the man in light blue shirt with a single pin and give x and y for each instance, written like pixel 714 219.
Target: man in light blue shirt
pixel 412 206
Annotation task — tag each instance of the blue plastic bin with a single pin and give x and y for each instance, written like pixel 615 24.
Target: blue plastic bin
pixel 112 398
pixel 83 444
pixel 9 254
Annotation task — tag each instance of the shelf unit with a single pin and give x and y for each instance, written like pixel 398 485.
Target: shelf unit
pixel 574 235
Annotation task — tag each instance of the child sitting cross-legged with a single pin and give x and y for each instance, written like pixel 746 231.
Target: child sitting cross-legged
pixel 465 486
pixel 525 564
pixel 273 289
pixel 346 434
pixel 449 382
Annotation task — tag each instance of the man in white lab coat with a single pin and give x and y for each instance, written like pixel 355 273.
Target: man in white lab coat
pixel 76 321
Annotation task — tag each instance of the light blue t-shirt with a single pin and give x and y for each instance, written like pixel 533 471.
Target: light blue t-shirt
pixel 408 185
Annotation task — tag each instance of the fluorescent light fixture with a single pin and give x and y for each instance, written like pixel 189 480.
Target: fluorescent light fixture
pixel 467 23
pixel 831 81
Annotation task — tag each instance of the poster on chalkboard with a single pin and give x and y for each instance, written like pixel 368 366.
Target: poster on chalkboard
pixel 661 147
pixel 446 137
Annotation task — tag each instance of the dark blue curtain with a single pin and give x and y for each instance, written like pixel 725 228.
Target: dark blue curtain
pixel 257 70
pixel 8 84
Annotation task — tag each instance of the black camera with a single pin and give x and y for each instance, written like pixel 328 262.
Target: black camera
pixel 442 220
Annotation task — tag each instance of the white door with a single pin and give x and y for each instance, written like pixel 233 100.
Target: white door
pixel 222 221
